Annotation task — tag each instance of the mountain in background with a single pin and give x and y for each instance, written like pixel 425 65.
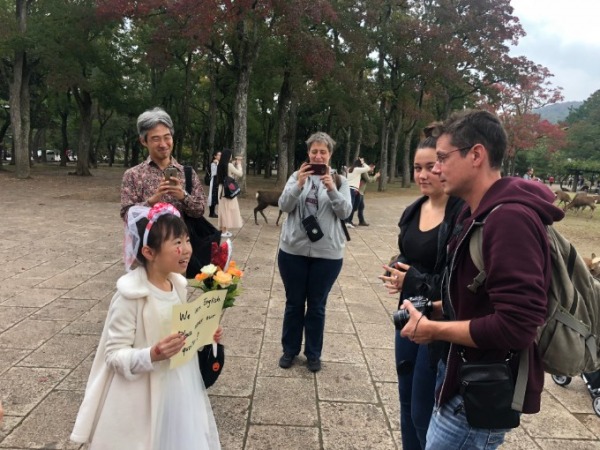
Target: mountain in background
pixel 557 112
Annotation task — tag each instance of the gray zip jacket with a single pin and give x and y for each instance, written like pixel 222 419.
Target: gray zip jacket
pixel 334 206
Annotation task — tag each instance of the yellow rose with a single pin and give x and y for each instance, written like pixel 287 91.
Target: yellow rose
pixel 222 278
pixel 209 269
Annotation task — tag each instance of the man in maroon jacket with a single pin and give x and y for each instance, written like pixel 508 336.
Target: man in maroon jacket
pixel 504 313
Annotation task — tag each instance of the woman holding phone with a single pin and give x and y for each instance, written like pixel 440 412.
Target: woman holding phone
pixel 311 248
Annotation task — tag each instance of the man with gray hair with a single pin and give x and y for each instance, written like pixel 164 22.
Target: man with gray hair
pixel 160 178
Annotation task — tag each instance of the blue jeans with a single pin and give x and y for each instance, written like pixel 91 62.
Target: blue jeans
pixel 355 195
pixel 307 283
pixel 416 386
pixel 449 429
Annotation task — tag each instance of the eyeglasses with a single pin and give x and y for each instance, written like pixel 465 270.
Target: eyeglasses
pixel 442 157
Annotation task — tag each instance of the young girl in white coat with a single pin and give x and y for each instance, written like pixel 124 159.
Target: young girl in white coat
pixel 132 399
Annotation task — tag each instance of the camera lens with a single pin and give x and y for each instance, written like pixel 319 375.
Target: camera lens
pixel 400 318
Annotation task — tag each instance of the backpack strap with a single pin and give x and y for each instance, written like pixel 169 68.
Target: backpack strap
pixel 338 182
pixel 476 251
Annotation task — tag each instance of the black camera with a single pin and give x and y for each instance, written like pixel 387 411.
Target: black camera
pixel 313 230
pixel 421 304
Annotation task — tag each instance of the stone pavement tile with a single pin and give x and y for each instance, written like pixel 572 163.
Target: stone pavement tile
pixel 262 437
pixel 22 388
pixel 75 275
pixel 65 309
pixel 237 377
pixel 518 439
pixel 359 296
pixel 268 365
pixel 342 348
pixel 49 425
pixel 388 393
pixel 255 298
pixel 231 415
pixel 556 422
pixel 250 282
pixel 284 401
pixel 373 335
pixel 11 356
pixel 338 322
pixel 245 317
pixel 78 378
pixel 30 334
pixel 570 444
pixel 10 315
pixel 352 280
pixel 243 342
pixel 335 302
pixel 9 424
pixel 62 350
pixel 354 426
pixel 575 396
pixel 382 364
pixel 273 329
pixel 371 312
pixel 45 269
pixel 345 383
pixel 591 422
pixel 276 306
pixel 12 286
pixel 93 289
pixel 90 322
pixel 34 297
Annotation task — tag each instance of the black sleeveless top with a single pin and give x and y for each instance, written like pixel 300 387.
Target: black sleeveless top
pixel 420 247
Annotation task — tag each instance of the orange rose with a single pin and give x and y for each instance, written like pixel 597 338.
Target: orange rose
pixel 232 263
pixel 202 276
pixel 234 271
pixel 223 279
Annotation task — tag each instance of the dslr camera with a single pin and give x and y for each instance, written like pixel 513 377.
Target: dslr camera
pixel 421 304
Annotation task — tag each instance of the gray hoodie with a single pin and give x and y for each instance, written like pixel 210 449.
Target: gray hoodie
pixel 334 206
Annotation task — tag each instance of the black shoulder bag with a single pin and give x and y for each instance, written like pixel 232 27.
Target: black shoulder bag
pixel 202 235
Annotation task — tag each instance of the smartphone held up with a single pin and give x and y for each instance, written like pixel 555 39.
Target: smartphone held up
pixel 170 175
pixel 319 169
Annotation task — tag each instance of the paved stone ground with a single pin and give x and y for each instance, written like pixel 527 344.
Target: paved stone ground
pixel 60 257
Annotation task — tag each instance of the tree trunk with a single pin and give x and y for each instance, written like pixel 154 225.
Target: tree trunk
pixel 394 149
pixel 383 152
pixel 358 145
pixel 19 100
pixel 348 146
pixel 212 110
pixel 292 133
pixel 84 103
pixel 406 159
pixel 283 108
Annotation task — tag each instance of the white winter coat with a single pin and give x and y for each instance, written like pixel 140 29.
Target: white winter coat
pixel 123 393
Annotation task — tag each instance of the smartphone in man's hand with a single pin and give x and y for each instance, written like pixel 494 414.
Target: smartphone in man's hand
pixel 170 175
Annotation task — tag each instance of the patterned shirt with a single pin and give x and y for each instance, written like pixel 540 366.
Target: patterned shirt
pixel 142 181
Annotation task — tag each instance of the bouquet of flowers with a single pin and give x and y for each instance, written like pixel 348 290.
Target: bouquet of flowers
pixel 221 273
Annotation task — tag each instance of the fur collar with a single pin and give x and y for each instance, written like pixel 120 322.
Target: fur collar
pixel 134 284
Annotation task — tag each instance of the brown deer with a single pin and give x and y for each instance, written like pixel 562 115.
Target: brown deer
pixel 264 199
pixel 582 201
pixel 593 264
pixel 563 197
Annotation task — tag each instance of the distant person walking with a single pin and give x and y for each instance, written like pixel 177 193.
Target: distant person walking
pixel 213 197
pixel 229 209
pixel 354 174
pixel 529 174
pixel 365 179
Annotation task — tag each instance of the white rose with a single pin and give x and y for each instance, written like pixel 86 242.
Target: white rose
pixel 209 270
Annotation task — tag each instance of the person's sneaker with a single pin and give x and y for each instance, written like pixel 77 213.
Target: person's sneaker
pixel 349 225
pixel 286 361
pixel 226 234
pixel 363 224
pixel 314 364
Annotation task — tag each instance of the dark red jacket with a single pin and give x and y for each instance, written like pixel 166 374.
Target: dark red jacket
pixel 506 312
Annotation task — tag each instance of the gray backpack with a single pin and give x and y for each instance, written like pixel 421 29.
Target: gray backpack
pixel 568 341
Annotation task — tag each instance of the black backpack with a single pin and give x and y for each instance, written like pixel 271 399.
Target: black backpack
pixel 202 235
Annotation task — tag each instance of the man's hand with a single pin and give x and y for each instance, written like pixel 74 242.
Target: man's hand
pixel 167 188
pixel 417 328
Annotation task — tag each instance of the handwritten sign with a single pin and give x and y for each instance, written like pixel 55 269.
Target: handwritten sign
pixel 198 320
